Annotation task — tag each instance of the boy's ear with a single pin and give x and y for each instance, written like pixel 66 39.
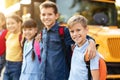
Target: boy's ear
pixel 57 16
pixel 87 28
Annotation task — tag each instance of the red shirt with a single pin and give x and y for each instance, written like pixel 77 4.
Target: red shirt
pixel 2 42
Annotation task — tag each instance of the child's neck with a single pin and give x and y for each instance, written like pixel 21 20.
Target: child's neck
pixel 50 26
pixel 29 40
pixel 83 42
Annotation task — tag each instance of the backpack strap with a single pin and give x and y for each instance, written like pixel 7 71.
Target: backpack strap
pixel 62 34
pixel 20 39
pixel 102 68
pixel 87 61
pixel 37 49
pixel 89 71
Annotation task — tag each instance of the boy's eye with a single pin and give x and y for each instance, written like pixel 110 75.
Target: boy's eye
pixel 78 29
pixel 43 14
pixel 71 31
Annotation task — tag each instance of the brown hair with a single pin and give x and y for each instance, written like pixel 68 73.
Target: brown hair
pixel 77 19
pixel 30 23
pixel 2 19
pixel 49 4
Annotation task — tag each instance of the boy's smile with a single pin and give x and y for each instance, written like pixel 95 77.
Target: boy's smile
pixel 48 17
pixel 78 33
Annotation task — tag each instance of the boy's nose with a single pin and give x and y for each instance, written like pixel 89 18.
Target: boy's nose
pixel 46 16
pixel 75 33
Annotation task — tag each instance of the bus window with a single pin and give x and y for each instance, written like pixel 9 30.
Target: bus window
pixel 88 9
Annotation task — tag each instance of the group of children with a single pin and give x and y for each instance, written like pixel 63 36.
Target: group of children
pixel 22 60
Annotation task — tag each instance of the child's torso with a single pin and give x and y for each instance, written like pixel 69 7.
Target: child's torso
pixel 13 47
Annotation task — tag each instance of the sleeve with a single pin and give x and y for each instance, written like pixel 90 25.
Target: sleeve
pixel 68 42
pixel 94 63
pixel 37 49
pixel 67 37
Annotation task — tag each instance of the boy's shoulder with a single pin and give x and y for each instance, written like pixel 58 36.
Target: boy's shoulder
pixel 63 30
pixel 101 65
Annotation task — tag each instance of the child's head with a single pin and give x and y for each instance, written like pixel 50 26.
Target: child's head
pixel 13 23
pixel 77 26
pixel 49 4
pixel 2 20
pixel 29 28
pixel 48 13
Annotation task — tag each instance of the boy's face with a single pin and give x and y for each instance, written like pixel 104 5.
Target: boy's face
pixel 78 33
pixel 48 17
pixel 29 33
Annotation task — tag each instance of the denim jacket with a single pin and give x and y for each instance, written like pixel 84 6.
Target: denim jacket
pixel 53 65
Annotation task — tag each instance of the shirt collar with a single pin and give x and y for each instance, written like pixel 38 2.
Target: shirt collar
pixel 83 47
pixel 54 27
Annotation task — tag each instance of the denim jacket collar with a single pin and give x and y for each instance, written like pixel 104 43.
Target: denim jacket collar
pixel 54 27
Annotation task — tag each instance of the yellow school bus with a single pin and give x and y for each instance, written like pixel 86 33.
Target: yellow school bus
pixel 102 23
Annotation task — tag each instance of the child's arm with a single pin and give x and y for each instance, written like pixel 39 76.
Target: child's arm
pixel 94 67
pixel 91 48
pixel 95 74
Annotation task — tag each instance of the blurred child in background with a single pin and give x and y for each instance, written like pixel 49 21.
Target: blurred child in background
pixel 3 32
pixel 13 48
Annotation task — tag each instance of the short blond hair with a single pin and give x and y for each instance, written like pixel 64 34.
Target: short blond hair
pixel 77 19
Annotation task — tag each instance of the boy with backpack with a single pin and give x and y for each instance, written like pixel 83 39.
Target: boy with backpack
pixel 80 63
pixel 53 58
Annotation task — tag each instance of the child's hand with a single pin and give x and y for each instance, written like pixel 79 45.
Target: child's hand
pixel 86 56
pixel 38 37
pixel 91 49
